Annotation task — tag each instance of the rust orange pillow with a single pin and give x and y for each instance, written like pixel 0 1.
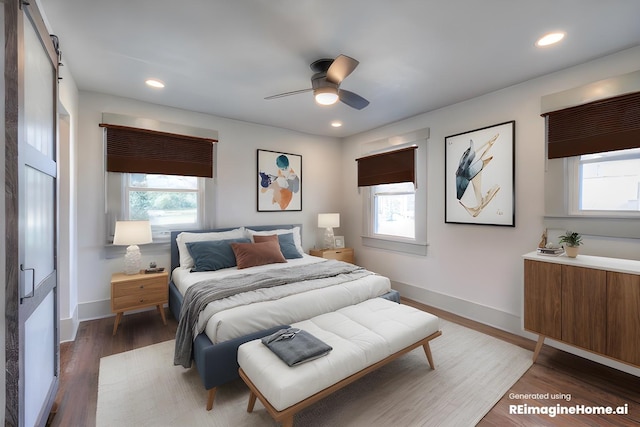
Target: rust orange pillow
pixel 254 254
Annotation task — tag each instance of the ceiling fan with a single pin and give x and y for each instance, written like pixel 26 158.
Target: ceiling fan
pixel 325 83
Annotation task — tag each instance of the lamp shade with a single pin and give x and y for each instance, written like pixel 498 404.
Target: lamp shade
pixel 328 220
pixel 132 233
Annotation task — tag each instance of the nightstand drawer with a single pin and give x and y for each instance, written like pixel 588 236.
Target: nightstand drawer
pixel 152 295
pixel 342 254
pixel 138 290
pixel 139 287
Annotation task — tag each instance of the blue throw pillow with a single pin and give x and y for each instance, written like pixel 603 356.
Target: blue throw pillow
pixel 288 246
pixel 212 255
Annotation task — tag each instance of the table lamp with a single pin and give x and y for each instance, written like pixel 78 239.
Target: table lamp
pixel 328 221
pixel 132 234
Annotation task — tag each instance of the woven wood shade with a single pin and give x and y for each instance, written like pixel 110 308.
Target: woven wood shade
pixel 134 150
pixel 606 125
pixel 387 168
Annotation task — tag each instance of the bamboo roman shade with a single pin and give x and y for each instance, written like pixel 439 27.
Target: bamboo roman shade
pixel 387 168
pixel 606 125
pixel 134 150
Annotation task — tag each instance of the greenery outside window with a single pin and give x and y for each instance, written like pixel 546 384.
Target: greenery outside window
pixel 167 201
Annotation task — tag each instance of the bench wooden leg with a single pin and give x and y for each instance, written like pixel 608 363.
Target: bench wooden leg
pixel 252 402
pixel 210 397
pixel 427 351
pixel 288 422
pixel 538 347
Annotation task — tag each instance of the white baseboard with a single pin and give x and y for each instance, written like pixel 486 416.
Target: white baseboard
pixel 94 310
pixel 101 309
pixel 69 327
pixel 498 319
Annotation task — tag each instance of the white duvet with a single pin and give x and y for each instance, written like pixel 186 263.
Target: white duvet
pixel 253 311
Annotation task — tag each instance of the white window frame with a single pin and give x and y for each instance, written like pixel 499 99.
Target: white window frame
pixel 374 214
pixel 574 184
pixel 160 232
pixel 117 206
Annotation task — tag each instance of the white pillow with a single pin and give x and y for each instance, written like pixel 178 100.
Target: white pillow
pixel 181 239
pixel 295 230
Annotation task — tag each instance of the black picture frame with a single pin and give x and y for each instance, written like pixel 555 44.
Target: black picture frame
pixel 279 181
pixel 480 176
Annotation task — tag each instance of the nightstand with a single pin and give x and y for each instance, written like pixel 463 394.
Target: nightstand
pixel 134 291
pixel 341 254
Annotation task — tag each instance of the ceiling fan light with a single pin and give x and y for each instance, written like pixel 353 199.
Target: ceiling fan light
pixel 326 95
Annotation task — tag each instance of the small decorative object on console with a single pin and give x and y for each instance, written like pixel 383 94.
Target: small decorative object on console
pixel 572 241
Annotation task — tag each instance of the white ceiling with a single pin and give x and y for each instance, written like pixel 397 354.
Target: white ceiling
pixel 223 57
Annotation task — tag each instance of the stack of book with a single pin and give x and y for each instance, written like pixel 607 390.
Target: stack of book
pixel 550 251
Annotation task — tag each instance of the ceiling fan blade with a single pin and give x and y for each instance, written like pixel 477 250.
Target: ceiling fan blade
pixel 295 92
pixel 353 100
pixel 341 67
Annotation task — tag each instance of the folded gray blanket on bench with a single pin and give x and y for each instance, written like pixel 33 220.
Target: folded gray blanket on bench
pixel 295 346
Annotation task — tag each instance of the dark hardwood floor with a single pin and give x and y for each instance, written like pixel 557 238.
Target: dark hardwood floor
pixel 556 373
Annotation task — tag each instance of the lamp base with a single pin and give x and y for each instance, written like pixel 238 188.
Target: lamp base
pixel 328 241
pixel 132 260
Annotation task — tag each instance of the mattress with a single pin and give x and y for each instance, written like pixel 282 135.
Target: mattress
pixel 250 312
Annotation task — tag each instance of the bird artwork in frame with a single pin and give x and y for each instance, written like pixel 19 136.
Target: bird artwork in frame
pixel 480 176
pixel 279 181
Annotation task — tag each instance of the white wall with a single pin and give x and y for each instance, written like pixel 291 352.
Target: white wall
pixel 476 271
pixel 236 190
pixel 67 205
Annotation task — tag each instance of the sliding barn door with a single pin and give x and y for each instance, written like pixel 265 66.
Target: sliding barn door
pixel 33 345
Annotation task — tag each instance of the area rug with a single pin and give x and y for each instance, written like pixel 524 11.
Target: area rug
pixel 473 371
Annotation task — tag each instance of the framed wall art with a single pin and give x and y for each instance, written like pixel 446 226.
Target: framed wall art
pixel 279 181
pixel 480 176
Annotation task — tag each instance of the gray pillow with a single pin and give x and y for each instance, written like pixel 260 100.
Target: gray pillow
pixel 212 255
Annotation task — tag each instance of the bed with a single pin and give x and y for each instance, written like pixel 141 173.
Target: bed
pixel 254 314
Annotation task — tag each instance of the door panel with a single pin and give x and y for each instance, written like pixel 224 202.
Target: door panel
pixel 37 220
pixel 39 227
pixel 41 370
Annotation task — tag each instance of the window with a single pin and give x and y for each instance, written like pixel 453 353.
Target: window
pixel 394 210
pixel 608 182
pixel 169 202
pixel 162 172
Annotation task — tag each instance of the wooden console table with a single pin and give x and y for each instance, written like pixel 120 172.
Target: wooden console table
pixel 588 302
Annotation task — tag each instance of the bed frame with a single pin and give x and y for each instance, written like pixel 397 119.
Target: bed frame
pixel 217 364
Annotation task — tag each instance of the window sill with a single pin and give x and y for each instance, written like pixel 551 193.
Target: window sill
pixel 155 248
pixel 606 226
pixel 415 248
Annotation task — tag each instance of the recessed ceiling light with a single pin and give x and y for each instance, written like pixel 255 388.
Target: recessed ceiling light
pixel 549 39
pixel 154 83
pixel 336 124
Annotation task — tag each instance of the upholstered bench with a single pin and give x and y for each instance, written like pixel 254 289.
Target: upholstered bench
pixel 364 337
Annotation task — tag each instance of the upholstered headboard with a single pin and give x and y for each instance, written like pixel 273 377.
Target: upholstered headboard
pixel 175 255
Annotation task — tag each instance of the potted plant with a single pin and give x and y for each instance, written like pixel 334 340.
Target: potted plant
pixel 571 241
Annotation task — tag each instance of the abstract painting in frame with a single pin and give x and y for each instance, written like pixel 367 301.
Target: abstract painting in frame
pixel 480 176
pixel 279 178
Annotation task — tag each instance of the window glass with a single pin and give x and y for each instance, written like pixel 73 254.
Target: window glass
pixel 164 200
pixel 394 209
pixel 609 181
